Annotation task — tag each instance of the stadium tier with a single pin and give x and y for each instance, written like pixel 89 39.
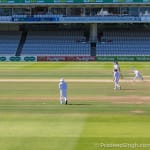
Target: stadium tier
pixel 95 12
pixel 73 43
pixel 75 28
pixel 56 43
pixel 9 42
pixel 124 43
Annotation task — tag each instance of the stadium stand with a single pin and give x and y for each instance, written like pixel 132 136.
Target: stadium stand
pixel 9 42
pixel 122 43
pixel 67 28
pixel 64 43
pixel 74 43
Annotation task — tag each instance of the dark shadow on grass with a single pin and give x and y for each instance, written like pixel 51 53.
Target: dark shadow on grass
pixel 79 104
pixel 129 89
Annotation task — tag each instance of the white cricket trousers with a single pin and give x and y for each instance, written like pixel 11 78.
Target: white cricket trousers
pixel 116 84
pixel 63 96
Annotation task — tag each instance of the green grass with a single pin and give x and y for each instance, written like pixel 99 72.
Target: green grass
pixel 67 69
pixel 31 117
pixel 50 126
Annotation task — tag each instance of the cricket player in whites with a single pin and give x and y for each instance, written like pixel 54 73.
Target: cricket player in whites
pixel 117 66
pixel 138 75
pixel 116 80
pixel 63 91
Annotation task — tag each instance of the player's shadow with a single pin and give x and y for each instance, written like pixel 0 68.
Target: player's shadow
pixel 80 104
pixel 128 89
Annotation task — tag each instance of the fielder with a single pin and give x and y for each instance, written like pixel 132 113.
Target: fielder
pixel 138 75
pixel 63 91
pixel 116 66
pixel 116 80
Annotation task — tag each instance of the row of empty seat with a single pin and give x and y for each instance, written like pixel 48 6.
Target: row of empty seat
pixel 9 42
pixel 73 43
pixel 55 43
pixel 124 43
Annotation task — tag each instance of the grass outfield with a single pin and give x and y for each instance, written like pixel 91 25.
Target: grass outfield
pixel 97 117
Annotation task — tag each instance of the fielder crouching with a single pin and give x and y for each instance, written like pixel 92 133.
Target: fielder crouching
pixel 138 75
pixel 63 91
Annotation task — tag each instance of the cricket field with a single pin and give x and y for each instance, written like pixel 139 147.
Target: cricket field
pixel 96 117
